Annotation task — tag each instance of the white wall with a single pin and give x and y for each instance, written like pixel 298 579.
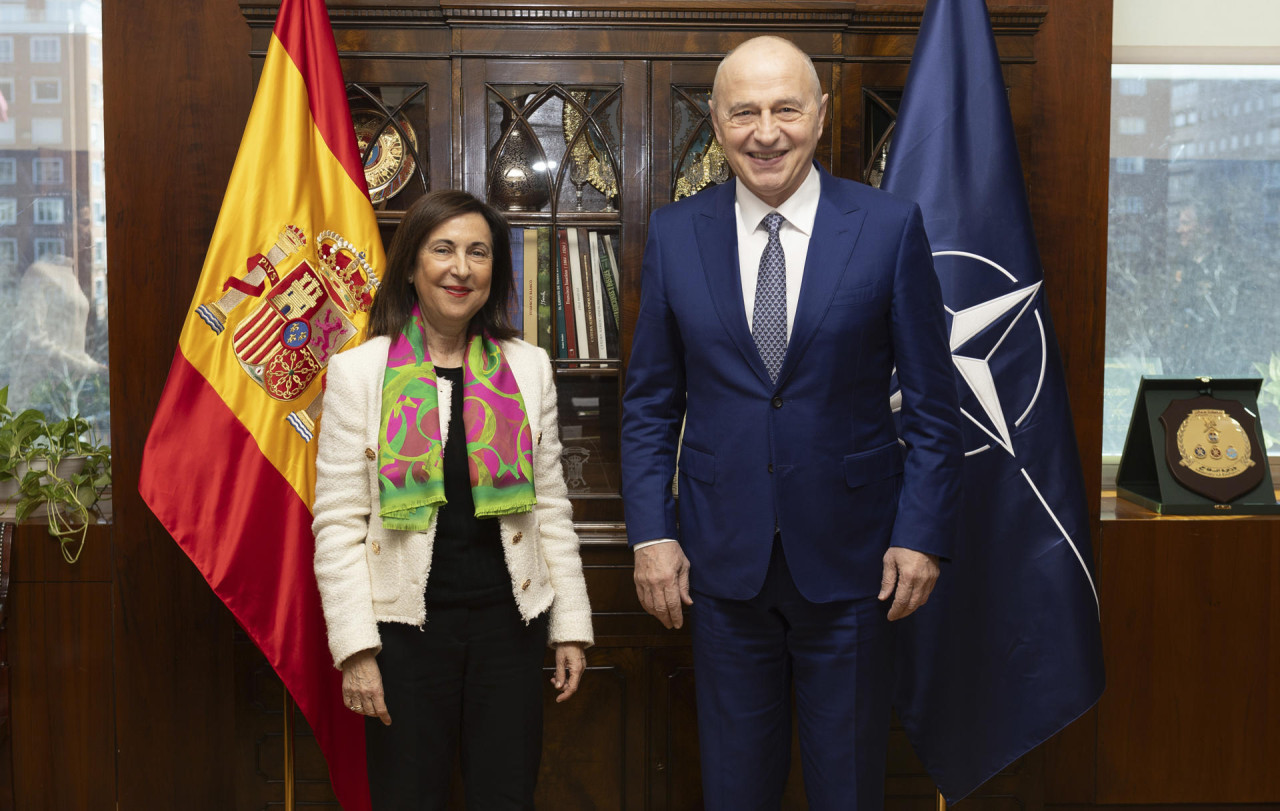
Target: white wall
pixel 1196 31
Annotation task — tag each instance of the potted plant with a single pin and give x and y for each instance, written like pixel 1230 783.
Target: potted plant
pixel 57 468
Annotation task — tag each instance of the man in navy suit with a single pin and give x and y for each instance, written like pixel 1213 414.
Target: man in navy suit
pixel 774 311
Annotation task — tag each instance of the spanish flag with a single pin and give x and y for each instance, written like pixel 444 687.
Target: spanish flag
pixel 229 464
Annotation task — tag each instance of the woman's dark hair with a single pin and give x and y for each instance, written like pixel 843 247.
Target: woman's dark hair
pixel 396 296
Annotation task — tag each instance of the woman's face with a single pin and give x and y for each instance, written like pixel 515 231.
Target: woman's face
pixel 455 265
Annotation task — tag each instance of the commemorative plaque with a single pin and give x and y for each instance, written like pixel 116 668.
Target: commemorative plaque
pixel 1195 447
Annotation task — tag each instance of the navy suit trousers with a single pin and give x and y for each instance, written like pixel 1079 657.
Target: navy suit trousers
pixel 747 656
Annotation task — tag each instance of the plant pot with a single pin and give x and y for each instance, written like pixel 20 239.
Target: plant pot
pixel 68 467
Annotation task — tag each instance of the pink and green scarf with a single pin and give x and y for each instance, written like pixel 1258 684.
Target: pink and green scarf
pixel 410 440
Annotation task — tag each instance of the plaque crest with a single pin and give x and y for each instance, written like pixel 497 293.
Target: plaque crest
pixel 1210 449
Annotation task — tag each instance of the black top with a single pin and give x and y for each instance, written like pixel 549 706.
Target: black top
pixel 467 565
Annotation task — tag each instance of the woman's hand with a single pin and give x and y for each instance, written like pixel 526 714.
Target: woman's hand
pixel 362 685
pixel 571 663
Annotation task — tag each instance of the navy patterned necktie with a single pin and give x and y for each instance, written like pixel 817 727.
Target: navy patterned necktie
pixel 769 316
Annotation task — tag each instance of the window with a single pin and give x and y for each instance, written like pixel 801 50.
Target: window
pixel 48 248
pixel 7 131
pixel 49 210
pixel 46 130
pixel 8 253
pixel 9 171
pixel 1193 229
pixel 99 251
pixel 99 212
pixel 46 91
pixel 1129 165
pixel 6 49
pixel 6 89
pixel 1132 125
pixel 1133 87
pixel 96 173
pixel 46 49
pixel 46 170
pixel 8 211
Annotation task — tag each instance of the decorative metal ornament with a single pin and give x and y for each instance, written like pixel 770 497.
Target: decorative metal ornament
pixel 388 160
pixel 514 182
pixel 586 164
pixel 710 169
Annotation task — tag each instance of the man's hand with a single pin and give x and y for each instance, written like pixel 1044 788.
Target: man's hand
pixel 662 582
pixel 909 576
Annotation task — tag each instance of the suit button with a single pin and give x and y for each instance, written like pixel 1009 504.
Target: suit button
pixel 539 442
pixel 377 550
pixel 771 467
pixel 776 402
pixel 369 454
pixel 517 538
pixel 525 585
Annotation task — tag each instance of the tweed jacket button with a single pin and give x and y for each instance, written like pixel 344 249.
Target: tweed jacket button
pixel 369 454
pixel 517 538
pixel 539 441
pixel 525 585
pixel 377 550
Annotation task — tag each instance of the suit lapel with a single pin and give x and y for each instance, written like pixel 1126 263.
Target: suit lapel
pixel 717 234
pixel 835 233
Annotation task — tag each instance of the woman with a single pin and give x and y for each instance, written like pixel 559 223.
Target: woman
pixel 445 549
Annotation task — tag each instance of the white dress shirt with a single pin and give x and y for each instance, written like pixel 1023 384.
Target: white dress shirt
pixel 799 212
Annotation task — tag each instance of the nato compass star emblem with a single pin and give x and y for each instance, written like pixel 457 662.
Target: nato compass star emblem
pixel 996 349
pixel 977 333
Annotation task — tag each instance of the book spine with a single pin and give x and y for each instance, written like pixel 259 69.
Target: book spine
pixel 546 311
pixel 530 238
pixel 577 303
pixel 589 296
pixel 564 301
pixel 597 293
pixel 515 307
pixel 608 275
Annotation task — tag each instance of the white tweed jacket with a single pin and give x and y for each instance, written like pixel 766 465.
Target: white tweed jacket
pixel 369 574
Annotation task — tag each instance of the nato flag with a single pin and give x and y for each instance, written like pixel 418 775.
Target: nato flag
pixel 1007 651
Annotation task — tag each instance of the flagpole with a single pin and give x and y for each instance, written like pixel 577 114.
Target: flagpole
pixel 288 751
pixel 941 804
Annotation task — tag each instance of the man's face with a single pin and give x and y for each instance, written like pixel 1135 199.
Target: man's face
pixel 768 118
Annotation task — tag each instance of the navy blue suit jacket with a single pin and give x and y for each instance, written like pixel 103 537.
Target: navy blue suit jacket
pixel 817 453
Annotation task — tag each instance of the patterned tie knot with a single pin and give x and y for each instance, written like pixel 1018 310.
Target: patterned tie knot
pixel 772 222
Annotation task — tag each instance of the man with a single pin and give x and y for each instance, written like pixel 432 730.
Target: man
pixel 772 340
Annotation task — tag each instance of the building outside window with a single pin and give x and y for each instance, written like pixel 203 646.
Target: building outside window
pixel 1193 234
pixel 46 49
pixel 46 171
pixel 47 248
pixel 49 210
pixel 46 91
pixel 53 268
pixel 8 211
pixel 46 130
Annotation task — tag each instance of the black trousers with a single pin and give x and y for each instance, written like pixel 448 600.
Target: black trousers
pixel 469 682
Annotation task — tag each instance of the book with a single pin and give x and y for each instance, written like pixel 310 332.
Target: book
pixel 515 310
pixel 588 297
pixel 575 300
pixel 609 276
pixel 612 311
pixel 546 317
pixel 530 298
pixel 566 339
pixel 597 293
